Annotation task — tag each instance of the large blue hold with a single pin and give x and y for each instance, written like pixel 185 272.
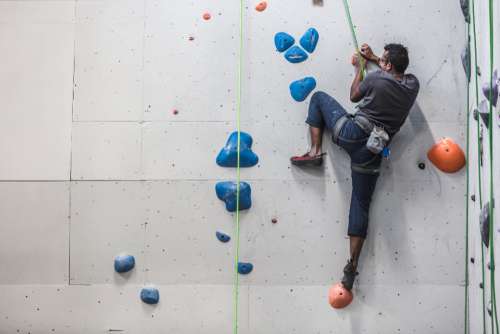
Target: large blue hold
pixel 223 237
pixel 283 41
pixel 300 89
pixel 492 95
pixel 309 40
pixel 245 268
pixel 150 295
pixel 295 55
pixel 228 156
pixel 124 263
pixel 226 191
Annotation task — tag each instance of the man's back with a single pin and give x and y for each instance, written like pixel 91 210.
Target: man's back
pixel 386 100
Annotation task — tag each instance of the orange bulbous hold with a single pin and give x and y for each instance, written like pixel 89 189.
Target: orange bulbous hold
pixel 207 16
pixel 338 296
pixel 261 6
pixel 447 156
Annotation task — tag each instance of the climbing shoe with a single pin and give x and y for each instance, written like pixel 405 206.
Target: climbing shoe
pixel 349 275
pixel 307 160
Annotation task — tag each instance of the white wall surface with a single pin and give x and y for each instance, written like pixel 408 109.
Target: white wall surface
pixel 95 163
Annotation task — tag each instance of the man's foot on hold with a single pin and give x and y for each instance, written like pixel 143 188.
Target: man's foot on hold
pixel 349 275
pixel 308 160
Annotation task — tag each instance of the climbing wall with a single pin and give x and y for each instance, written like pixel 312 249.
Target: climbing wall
pixel 113 115
pixel 484 135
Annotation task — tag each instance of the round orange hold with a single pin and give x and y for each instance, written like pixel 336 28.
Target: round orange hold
pixel 261 6
pixel 207 16
pixel 447 156
pixel 339 297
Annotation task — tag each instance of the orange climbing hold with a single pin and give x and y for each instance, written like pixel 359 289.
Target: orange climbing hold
pixel 207 16
pixel 339 297
pixel 447 156
pixel 261 6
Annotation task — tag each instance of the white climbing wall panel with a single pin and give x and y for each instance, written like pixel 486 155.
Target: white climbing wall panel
pixel 481 310
pixel 95 163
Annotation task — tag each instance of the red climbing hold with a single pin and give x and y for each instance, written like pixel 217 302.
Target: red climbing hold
pixel 191 38
pixel 339 297
pixel 274 220
pixel 207 16
pixel 175 111
pixel 261 6
pixel 447 156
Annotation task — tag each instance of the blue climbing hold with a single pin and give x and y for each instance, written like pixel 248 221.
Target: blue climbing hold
pixel 492 94
pixel 245 268
pixel 283 41
pixel 223 237
pixel 295 55
pixel 309 40
pixel 228 156
pixel 226 191
pixel 484 112
pixel 484 224
pixel 150 295
pixel 124 263
pixel 300 89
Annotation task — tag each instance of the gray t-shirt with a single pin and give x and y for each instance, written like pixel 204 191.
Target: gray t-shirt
pixel 387 101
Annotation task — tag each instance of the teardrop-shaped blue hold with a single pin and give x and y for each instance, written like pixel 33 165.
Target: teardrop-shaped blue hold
pixel 150 295
pixel 283 41
pixel 484 224
pixel 228 156
pixel 300 89
pixel 223 237
pixel 124 263
pixel 309 40
pixel 295 55
pixel 226 191
pixel 244 268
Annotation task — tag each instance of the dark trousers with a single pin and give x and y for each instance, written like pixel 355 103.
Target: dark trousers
pixel 324 112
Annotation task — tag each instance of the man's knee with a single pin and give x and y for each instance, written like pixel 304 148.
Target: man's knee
pixel 318 95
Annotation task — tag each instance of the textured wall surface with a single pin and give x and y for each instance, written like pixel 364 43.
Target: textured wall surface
pixel 95 163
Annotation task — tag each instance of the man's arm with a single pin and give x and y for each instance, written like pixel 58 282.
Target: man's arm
pixel 356 95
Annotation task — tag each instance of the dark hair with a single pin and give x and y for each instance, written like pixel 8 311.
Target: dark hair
pixel 397 56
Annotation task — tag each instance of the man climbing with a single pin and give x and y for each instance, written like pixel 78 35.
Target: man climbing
pixel 386 96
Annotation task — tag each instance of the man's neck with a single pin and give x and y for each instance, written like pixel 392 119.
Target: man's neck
pixel 397 76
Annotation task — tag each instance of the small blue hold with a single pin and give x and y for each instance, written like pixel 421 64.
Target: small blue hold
pixel 244 268
pixel 226 191
pixel 150 295
pixel 283 41
pixel 228 156
pixel 124 263
pixel 300 89
pixel 223 237
pixel 492 94
pixel 309 40
pixel 295 55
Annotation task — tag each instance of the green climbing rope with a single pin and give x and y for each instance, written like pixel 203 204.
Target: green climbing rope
pixel 466 304
pixel 354 39
pixel 490 139
pixel 237 219
pixel 479 158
